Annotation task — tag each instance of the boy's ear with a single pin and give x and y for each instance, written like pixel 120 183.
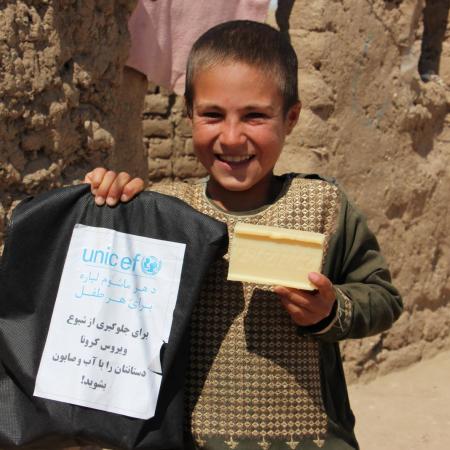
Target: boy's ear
pixel 292 116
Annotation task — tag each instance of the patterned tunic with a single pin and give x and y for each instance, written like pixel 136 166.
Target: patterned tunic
pixel 254 380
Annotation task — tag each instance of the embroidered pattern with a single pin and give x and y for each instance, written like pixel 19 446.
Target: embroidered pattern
pixel 344 315
pixel 251 376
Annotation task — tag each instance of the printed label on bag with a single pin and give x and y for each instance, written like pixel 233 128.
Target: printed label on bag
pixel 112 314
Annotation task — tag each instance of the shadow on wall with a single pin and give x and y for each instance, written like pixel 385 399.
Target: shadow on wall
pixel 435 18
pixel 426 119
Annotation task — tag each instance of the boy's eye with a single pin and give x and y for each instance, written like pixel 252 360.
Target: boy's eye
pixel 255 115
pixel 211 114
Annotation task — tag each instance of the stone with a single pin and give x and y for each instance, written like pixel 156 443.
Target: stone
pixel 317 16
pixel 184 128
pixel 189 147
pixel 160 148
pixel 179 145
pixel 188 167
pixel 159 168
pixel 312 130
pixel 317 94
pixel 156 104
pixel 157 128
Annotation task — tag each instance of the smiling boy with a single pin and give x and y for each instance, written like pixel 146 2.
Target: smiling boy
pixel 239 133
pixel 264 375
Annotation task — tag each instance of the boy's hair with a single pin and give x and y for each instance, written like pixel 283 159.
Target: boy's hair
pixel 252 43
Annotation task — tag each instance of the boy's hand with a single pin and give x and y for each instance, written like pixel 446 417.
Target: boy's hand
pixel 109 187
pixel 306 307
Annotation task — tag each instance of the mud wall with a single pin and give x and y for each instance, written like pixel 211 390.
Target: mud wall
pixel 375 85
pixel 375 81
pixel 61 71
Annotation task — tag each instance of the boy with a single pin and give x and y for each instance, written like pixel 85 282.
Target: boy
pixel 262 376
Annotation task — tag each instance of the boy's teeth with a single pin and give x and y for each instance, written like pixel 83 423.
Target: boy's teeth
pixel 234 158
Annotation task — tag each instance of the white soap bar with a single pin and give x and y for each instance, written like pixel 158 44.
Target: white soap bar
pixel 276 256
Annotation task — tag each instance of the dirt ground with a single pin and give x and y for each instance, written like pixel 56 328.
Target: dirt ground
pixel 405 410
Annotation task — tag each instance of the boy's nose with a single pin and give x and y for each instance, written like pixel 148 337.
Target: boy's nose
pixel 232 135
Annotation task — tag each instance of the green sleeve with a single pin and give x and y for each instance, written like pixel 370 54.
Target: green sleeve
pixel 367 302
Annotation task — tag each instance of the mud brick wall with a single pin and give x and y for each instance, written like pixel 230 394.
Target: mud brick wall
pixel 167 137
pixel 61 73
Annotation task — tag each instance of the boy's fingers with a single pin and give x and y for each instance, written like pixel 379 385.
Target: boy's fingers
pixel 318 304
pixel 105 185
pixel 295 295
pixel 131 189
pixel 300 316
pixel 298 298
pixel 108 187
pixel 323 284
pixel 95 177
pixel 116 188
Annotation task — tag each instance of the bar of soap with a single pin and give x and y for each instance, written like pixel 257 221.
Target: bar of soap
pixel 276 256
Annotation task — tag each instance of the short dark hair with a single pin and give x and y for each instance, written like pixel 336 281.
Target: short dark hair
pixel 253 43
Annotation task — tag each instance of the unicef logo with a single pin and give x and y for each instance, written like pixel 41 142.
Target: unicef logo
pixel 151 265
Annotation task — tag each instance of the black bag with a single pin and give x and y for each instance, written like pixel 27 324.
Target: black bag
pixel 35 249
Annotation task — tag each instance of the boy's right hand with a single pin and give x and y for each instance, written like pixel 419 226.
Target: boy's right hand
pixel 110 187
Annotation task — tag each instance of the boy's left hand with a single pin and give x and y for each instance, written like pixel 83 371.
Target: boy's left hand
pixel 308 307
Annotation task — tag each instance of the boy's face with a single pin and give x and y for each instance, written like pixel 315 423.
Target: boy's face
pixel 239 126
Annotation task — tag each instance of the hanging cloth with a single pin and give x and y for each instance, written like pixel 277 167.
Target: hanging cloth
pixel 163 32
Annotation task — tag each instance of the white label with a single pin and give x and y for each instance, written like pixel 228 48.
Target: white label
pixel 112 314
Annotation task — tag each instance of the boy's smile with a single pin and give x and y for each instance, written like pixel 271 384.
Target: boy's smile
pixel 239 128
